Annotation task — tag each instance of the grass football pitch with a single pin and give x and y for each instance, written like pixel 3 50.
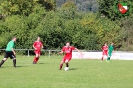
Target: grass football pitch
pixel 82 73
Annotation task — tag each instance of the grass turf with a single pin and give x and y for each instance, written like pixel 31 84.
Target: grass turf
pixel 82 73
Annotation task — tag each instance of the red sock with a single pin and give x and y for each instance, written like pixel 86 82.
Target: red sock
pixel 61 66
pixel 102 58
pixel 34 59
pixel 37 59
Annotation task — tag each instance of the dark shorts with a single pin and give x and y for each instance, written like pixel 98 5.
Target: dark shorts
pixel 9 54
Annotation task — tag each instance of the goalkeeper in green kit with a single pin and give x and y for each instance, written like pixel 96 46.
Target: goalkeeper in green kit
pixel 110 51
pixel 10 52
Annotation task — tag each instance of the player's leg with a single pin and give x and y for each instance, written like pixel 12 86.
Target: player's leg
pixel 109 55
pixel 108 58
pixel 67 64
pixel 62 62
pixel 38 56
pixel 2 61
pixel 5 58
pixel 67 61
pixel 14 59
pixel 102 56
pixel 35 58
pixel 106 55
pixel 14 62
pixel 12 56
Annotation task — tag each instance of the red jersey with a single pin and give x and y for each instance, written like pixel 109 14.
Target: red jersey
pixel 105 48
pixel 38 45
pixel 68 50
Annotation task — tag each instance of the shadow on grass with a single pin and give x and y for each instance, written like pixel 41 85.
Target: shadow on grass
pixel 12 66
pixel 41 63
pixel 20 66
pixel 73 68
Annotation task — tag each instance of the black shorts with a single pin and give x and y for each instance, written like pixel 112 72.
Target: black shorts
pixel 9 54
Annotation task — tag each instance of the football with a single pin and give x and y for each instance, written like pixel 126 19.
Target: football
pixel 66 68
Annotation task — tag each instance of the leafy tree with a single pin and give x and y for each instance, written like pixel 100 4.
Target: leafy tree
pixel 24 7
pixel 65 24
pixel 126 32
pixel 108 7
pixel 16 7
pixel 48 4
pixel 68 10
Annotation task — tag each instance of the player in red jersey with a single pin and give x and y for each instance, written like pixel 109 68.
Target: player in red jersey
pixel 68 54
pixel 37 49
pixel 104 50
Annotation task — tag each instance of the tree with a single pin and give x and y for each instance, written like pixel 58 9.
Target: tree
pixel 24 7
pixel 48 4
pixel 16 7
pixel 109 7
pixel 126 32
pixel 68 10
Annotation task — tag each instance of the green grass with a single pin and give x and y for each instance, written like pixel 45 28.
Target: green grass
pixel 82 74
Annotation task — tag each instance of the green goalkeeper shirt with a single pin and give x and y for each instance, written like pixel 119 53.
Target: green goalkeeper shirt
pixel 110 48
pixel 10 45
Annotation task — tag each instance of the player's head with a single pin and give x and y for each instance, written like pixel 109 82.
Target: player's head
pixel 105 43
pixel 67 44
pixel 38 38
pixel 112 43
pixel 14 39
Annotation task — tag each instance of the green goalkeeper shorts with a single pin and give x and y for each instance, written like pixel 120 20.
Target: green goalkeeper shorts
pixel 109 54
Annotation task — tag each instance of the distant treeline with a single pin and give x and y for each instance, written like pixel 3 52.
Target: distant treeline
pixel 27 19
pixel 82 5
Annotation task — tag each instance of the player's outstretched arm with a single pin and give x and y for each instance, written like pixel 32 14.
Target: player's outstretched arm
pixel 61 52
pixel 78 50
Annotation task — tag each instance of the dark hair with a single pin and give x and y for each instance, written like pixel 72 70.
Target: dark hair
pixel 67 42
pixel 104 43
pixel 13 37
